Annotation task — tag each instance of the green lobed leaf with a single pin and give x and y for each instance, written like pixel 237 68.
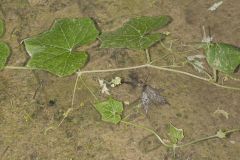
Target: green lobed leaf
pixel 4 53
pixel 1 27
pixel 222 57
pixel 135 33
pixel 53 50
pixel 110 110
pixel 175 134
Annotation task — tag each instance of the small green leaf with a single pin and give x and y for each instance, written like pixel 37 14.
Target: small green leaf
pixel 175 134
pixel 53 50
pixel 222 57
pixel 1 27
pixel 135 33
pixel 110 110
pixel 220 134
pixel 4 53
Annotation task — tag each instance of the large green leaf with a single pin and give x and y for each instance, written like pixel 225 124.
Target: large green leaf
pixel 110 110
pixel 53 50
pixel 4 53
pixel 1 27
pixel 222 57
pixel 135 33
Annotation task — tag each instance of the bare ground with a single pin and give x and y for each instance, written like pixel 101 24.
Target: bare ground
pixel 32 101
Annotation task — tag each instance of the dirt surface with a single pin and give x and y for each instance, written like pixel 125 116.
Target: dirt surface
pixel 32 103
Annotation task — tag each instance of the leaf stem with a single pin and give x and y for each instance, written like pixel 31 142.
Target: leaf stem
pixel 95 97
pixel 74 91
pixel 148 56
pixel 18 68
pixel 72 102
pixel 215 75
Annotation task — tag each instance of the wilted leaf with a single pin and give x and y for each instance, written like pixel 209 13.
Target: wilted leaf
pixel 4 53
pixel 175 134
pixel 206 38
pixel 215 6
pixel 53 50
pixel 103 86
pixel 152 95
pixel 110 110
pixel 222 57
pixel 135 34
pixel 196 62
pixel 1 27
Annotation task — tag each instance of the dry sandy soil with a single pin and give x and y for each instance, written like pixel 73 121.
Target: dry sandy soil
pixel 33 101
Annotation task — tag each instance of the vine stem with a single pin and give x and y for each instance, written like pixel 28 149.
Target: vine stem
pixel 197 141
pixel 112 70
pixel 72 102
pixel 164 68
pixel 177 71
pixel 174 146
pixel 149 130
pixel 207 138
